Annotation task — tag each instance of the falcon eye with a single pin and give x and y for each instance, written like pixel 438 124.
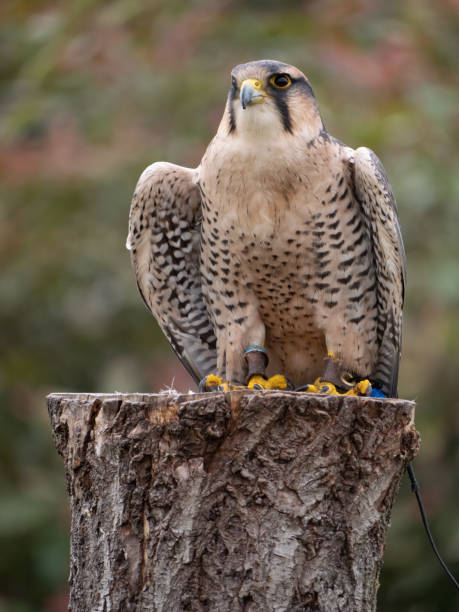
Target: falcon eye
pixel 233 82
pixel 281 81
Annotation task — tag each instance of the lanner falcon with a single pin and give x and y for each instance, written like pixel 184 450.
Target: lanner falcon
pixel 280 253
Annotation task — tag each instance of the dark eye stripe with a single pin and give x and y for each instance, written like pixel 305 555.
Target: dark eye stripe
pixel 284 112
pixel 232 118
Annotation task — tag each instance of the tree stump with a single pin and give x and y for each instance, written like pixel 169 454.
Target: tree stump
pixel 253 501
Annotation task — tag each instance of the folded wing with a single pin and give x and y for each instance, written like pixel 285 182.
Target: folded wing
pixel 372 189
pixel 164 240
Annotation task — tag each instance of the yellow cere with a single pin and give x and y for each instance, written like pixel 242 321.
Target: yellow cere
pixel 255 83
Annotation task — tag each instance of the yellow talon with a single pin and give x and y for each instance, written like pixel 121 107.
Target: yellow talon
pixel 224 386
pixel 364 387
pixel 212 380
pixel 313 387
pixel 328 388
pixel 275 382
pixel 257 382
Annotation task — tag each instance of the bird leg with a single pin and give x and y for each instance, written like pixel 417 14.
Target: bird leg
pixel 257 361
pixel 334 374
pixel 335 381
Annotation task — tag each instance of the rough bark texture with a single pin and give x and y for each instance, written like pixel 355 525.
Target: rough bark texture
pixel 225 502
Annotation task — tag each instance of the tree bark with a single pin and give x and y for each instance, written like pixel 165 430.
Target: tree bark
pixel 253 501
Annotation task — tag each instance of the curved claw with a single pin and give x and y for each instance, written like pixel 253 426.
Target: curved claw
pixel 308 388
pixel 361 388
pixel 328 388
pixel 225 387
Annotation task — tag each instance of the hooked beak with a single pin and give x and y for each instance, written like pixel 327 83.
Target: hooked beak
pixel 252 93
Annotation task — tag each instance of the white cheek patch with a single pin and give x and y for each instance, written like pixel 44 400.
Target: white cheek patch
pixel 258 119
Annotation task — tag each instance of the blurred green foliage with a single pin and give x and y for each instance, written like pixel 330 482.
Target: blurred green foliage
pixel 93 91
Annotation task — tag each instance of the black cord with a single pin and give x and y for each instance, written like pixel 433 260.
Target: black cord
pixel 415 489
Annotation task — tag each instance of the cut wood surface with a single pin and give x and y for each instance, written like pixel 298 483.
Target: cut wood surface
pixel 229 501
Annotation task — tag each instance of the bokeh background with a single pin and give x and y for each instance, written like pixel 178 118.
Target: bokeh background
pixel 90 93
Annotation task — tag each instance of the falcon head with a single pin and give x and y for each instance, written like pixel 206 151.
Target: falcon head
pixel 271 97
